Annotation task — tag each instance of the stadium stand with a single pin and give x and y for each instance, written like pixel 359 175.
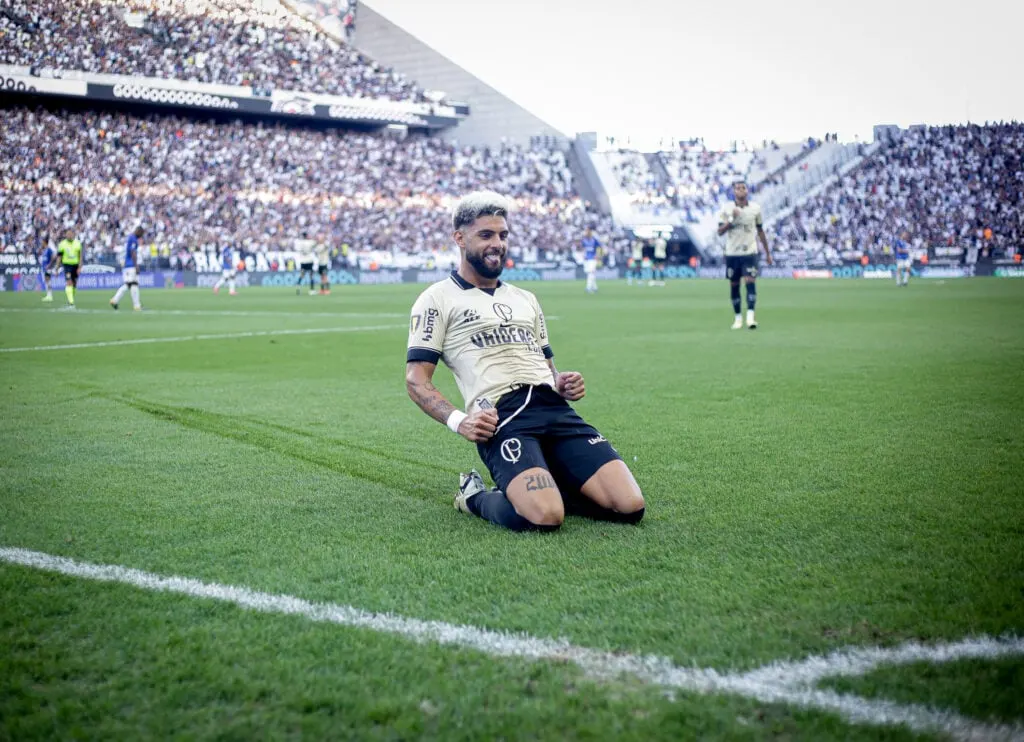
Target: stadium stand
pixel 198 184
pixel 945 186
pixel 231 42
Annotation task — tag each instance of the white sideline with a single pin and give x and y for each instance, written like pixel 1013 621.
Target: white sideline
pixel 210 312
pixel 185 338
pixel 780 682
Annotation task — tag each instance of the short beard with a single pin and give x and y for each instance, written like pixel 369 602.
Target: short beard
pixel 477 261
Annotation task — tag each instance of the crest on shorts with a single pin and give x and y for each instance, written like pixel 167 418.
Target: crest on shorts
pixel 504 311
pixel 511 450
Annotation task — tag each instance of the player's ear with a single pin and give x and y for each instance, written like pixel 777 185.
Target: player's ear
pixel 459 239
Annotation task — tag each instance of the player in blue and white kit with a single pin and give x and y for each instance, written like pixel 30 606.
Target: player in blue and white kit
pixel 903 260
pixel 130 273
pixel 47 262
pixel 590 244
pixel 227 271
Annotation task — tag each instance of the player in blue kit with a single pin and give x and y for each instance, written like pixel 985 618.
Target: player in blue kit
pixel 47 263
pixel 590 244
pixel 903 260
pixel 130 272
pixel 227 271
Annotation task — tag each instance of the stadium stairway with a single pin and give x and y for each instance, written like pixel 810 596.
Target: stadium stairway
pixel 794 183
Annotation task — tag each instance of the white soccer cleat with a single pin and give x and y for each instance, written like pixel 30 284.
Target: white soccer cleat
pixel 738 324
pixel 48 298
pixel 751 322
pixel 470 485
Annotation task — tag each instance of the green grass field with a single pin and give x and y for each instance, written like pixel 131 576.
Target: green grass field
pixel 848 475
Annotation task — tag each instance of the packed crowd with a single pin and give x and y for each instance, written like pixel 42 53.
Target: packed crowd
pixel 701 178
pixel 689 178
pixel 228 41
pixel 198 184
pixel 943 186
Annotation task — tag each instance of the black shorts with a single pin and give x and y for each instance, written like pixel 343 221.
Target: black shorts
pixel 537 428
pixel 306 267
pixel 71 272
pixel 322 270
pixel 737 266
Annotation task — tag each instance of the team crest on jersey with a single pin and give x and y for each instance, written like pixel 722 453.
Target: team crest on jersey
pixel 511 450
pixel 504 311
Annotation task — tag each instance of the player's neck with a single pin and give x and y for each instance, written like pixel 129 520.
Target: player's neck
pixel 468 274
pixel 742 203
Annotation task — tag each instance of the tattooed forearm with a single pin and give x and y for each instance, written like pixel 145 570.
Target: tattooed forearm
pixel 539 482
pixel 554 371
pixel 430 400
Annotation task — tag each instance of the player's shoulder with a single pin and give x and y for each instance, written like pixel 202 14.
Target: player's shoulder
pixel 524 294
pixel 439 291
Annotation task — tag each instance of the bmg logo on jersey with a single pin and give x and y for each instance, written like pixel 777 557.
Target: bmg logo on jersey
pixel 427 320
pixel 511 450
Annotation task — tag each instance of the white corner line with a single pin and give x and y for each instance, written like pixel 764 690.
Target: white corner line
pixel 187 338
pixel 788 683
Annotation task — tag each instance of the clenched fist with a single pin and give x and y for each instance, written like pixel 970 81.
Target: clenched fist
pixel 570 385
pixel 479 426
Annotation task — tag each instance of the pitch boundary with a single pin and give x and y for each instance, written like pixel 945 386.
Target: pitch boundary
pixel 791 683
pixel 187 338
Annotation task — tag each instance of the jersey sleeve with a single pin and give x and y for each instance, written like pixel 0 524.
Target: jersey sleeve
pixel 540 330
pixel 427 327
pixel 757 219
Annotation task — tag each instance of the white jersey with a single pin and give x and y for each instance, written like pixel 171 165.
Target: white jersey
pixel 305 250
pixel 323 255
pixel 493 343
pixel 742 238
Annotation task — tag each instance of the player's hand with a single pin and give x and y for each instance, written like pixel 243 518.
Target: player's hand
pixel 736 213
pixel 570 385
pixel 479 426
pixel 768 258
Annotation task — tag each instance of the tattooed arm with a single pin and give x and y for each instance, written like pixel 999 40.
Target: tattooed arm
pixel 477 427
pixel 419 383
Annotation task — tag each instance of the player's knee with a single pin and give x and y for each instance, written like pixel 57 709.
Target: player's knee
pixel 546 514
pixel 634 501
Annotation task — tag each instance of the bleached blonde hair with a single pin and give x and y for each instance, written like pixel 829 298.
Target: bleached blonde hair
pixel 474 205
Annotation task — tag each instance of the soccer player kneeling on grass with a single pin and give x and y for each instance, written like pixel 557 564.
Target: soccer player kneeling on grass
pixel 544 458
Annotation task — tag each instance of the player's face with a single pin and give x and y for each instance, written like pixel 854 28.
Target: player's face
pixel 485 243
pixel 741 191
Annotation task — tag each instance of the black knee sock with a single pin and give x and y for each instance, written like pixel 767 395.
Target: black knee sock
pixel 734 293
pixel 589 509
pixel 751 296
pixel 494 507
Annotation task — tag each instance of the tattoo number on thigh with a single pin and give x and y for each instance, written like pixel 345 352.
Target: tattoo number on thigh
pixel 539 482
